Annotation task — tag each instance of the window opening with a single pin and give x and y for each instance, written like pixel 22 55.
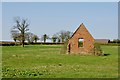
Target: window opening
pixel 80 42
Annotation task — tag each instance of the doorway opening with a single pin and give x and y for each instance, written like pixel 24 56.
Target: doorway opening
pixel 69 48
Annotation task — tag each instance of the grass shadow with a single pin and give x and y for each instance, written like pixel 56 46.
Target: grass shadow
pixel 106 54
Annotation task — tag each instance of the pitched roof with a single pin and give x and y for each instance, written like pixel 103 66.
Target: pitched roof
pixel 102 40
pixel 78 29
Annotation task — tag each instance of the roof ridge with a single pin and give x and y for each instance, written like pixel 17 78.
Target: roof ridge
pixel 76 30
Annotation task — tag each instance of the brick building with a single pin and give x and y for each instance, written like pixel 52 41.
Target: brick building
pixel 102 41
pixel 81 41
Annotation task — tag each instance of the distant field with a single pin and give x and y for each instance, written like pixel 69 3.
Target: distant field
pixel 45 61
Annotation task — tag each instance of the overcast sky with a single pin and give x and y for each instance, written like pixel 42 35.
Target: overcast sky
pixel 100 18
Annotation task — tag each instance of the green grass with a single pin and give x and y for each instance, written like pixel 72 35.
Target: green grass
pixel 45 61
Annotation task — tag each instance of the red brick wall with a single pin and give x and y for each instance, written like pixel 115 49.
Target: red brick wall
pixel 88 42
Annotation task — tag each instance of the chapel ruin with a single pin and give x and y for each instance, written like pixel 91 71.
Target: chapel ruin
pixel 81 41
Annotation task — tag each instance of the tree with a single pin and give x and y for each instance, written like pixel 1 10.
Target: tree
pixel 54 38
pixel 116 40
pixel 45 37
pixel 16 36
pixel 35 38
pixel 64 35
pixel 21 26
pixel 58 40
pixel 68 34
pixel 29 37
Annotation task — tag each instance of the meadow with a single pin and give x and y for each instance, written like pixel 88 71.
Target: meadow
pixel 45 61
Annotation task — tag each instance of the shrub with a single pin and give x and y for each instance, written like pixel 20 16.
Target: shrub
pixel 64 48
pixel 96 50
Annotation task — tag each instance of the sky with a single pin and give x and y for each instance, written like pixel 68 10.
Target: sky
pixel 0 21
pixel 60 0
pixel 100 18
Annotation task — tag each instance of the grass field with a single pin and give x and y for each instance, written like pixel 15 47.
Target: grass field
pixel 45 61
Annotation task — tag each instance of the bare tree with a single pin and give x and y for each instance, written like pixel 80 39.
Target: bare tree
pixel 64 35
pixel 16 36
pixel 29 37
pixel 68 34
pixel 22 27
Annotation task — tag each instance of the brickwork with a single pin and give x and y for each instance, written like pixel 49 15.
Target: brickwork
pixel 80 33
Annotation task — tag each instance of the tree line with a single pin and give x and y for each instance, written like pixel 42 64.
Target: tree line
pixel 115 41
pixel 20 33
